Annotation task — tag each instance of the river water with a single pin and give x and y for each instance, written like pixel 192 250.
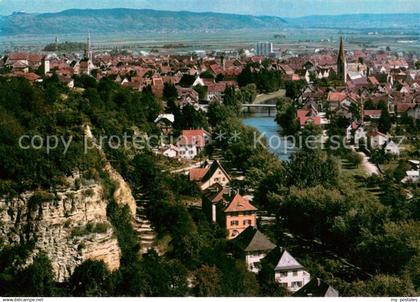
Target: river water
pixel 267 126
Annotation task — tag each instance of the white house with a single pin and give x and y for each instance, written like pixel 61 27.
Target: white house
pixel 377 139
pixel 291 274
pixel 208 176
pixel 198 81
pixel 256 246
pixel 392 148
pixel 188 151
pixel 171 151
pixel 414 112
pixel 165 122
pixel 192 142
pixel 412 176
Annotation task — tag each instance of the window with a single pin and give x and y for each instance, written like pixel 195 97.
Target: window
pixel 295 273
pixel 283 274
pixel 247 222
pixel 297 284
pixel 234 222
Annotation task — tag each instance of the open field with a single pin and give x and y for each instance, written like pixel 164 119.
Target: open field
pixel 293 39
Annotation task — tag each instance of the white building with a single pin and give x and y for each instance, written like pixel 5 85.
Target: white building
pixel 377 139
pixel 256 246
pixel 413 175
pixel 171 151
pixel 291 274
pixel 188 151
pixel 392 148
pixel 264 48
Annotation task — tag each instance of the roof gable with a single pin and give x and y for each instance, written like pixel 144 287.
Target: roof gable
pixel 239 204
pixel 287 262
pixel 259 242
pixel 213 168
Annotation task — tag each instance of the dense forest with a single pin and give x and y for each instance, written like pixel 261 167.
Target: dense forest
pixel 362 243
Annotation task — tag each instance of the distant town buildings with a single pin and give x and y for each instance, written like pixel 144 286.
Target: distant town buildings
pixel 264 48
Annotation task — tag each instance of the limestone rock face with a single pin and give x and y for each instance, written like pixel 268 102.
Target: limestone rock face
pixel 71 227
pixel 122 195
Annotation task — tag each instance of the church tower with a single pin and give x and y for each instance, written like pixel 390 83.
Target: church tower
pixel 342 63
pixel 88 49
pixel 86 64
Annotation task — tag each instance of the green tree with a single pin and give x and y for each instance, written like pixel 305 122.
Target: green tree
pixel 217 113
pixel 293 88
pixel 288 121
pixel 312 167
pixel 207 282
pixel 38 280
pixel 385 122
pixel 90 279
pixel 170 92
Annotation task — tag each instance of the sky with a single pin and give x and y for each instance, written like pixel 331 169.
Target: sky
pixel 282 8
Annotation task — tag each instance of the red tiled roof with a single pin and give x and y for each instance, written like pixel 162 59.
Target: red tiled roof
pixel 239 204
pixel 336 96
pixel 375 133
pixel 305 117
pixel 197 174
pixel 194 137
pixel 403 107
pixel 373 80
pixel 372 112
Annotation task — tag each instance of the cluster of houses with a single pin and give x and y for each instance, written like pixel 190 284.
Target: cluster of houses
pixel 388 76
pixel 236 214
pixel 187 145
pixel 374 77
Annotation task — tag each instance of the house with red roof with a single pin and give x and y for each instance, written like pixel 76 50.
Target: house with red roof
pixel 192 142
pixel 238 215
pixel 373 114
pixel 229 209
pixel 308 117
pixel 340 100
pixel 377 139
pixel 208 176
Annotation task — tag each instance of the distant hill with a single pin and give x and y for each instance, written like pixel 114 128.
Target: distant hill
pixel 129 20
pixel 120 20
pixel 358 21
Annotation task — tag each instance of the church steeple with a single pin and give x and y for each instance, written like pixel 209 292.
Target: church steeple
pixel 342 63
pixel 88 49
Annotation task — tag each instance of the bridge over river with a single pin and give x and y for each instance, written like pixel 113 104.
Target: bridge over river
pixel 264 103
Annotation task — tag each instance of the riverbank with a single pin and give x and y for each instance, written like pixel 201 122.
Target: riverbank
pixel 268 127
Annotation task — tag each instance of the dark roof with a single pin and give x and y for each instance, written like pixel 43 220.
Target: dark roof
pixel 215 193
pixel 316 288
pixel 214 166
pixel 252 240
pixel 260 242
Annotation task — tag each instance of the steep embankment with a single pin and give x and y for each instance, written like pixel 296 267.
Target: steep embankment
pixel 122 194
pixel 68 224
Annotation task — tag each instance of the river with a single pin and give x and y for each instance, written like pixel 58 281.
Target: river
pixel 269 128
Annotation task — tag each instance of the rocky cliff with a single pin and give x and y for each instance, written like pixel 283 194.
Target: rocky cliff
pixel 69 224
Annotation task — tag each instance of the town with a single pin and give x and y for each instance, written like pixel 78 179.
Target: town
pixel 272 214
